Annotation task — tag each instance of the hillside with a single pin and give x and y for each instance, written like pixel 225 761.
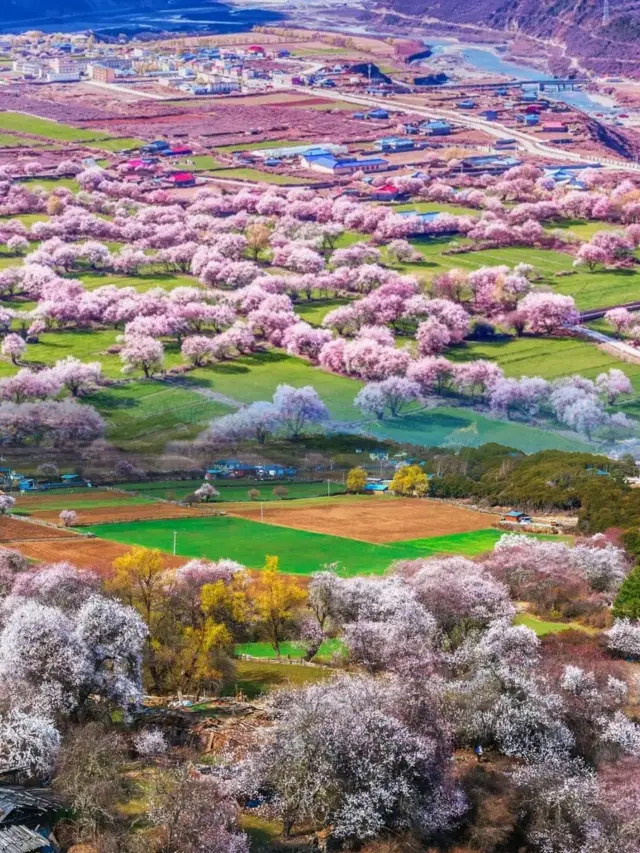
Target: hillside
pixel 613 48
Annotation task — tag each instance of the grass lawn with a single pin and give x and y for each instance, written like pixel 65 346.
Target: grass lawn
pixel 581 227
pixel 289 650
pixel 589 289
pixel 24 123
pixel 144 415
pixel 257 176
pixel 550 358
pixel 332 105
pixel 28 218
pixel 234 492
pixel 267 143
pixel 466 544
pixel 439 207
pixel 123 143
pixel 51 183
pixel 256 377
pixel 249 542
pixel 9 140
pixel 202 162
pixel 543 627
pixel 315 310
pixel 254 678
pixel 450 426
pixel 70 502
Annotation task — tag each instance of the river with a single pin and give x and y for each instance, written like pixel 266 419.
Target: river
pixel 133 17
pixel 491 62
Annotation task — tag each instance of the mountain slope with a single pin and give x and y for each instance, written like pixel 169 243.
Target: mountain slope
pixel 614 48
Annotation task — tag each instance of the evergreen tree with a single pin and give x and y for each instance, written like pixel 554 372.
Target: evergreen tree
pixel 627 604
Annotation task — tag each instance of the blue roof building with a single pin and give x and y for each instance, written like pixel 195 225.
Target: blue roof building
pixel 327 163
pixel 436 128
pixel 378 114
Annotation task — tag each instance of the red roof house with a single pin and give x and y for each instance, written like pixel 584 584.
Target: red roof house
pixel 183 179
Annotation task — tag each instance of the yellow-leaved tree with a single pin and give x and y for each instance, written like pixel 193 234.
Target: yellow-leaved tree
pixel 275 599
pixel 411 481
pixel 356 480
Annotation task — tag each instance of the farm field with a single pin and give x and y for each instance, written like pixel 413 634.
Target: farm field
pixel 249 174
pixel 589 289
pixel 15 530
pixel 34 504
pixel 551 358
pixel 235 491
pixel 455 426
pixel 124 511
pixel 81 551
pixel 23 123
pixel 289 650
pixel 249 542
pixel 470 544
pixel 254 678
pixel 373 518
pixel 543 627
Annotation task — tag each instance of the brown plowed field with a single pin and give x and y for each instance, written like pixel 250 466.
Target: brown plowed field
pixel 13 530
pixel 96 554
pixel 376 519
pixel 137 512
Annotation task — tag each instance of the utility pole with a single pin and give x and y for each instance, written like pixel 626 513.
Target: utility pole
pixel 605 13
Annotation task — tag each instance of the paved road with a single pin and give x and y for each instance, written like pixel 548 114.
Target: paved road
pixel 626 351
pixel 529 143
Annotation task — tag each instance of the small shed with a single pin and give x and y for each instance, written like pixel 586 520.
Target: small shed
pixel 517 517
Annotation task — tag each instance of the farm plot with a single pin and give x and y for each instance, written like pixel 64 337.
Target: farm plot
pixel 378 519
pixel 15 531
pixel 125 511
pixel 47 128
pixel 249 542
pixel 237 491
pixel 33 504
pixel 85 553
pixel 589 289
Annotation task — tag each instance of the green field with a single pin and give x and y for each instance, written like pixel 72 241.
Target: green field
pixel 25 123
pixel 257 176
pixel 143 416
pixel 289 650
pixel 9 140
pixel 249 542
pixel 550 358
pixel 589 289
pixel 238 491
pixel 466 544
pixel 543 627
pixel 70 502
pixel 254 678
pixel 125 143
pixel 266 144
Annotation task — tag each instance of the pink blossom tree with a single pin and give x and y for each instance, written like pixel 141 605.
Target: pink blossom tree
pixel 304 340
pixel 432 336
pixel 142 353
pixel 393 394
pixel 77 376
pixel 68 517
pixel 13 347
pixel 548 312
pixel 613 384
